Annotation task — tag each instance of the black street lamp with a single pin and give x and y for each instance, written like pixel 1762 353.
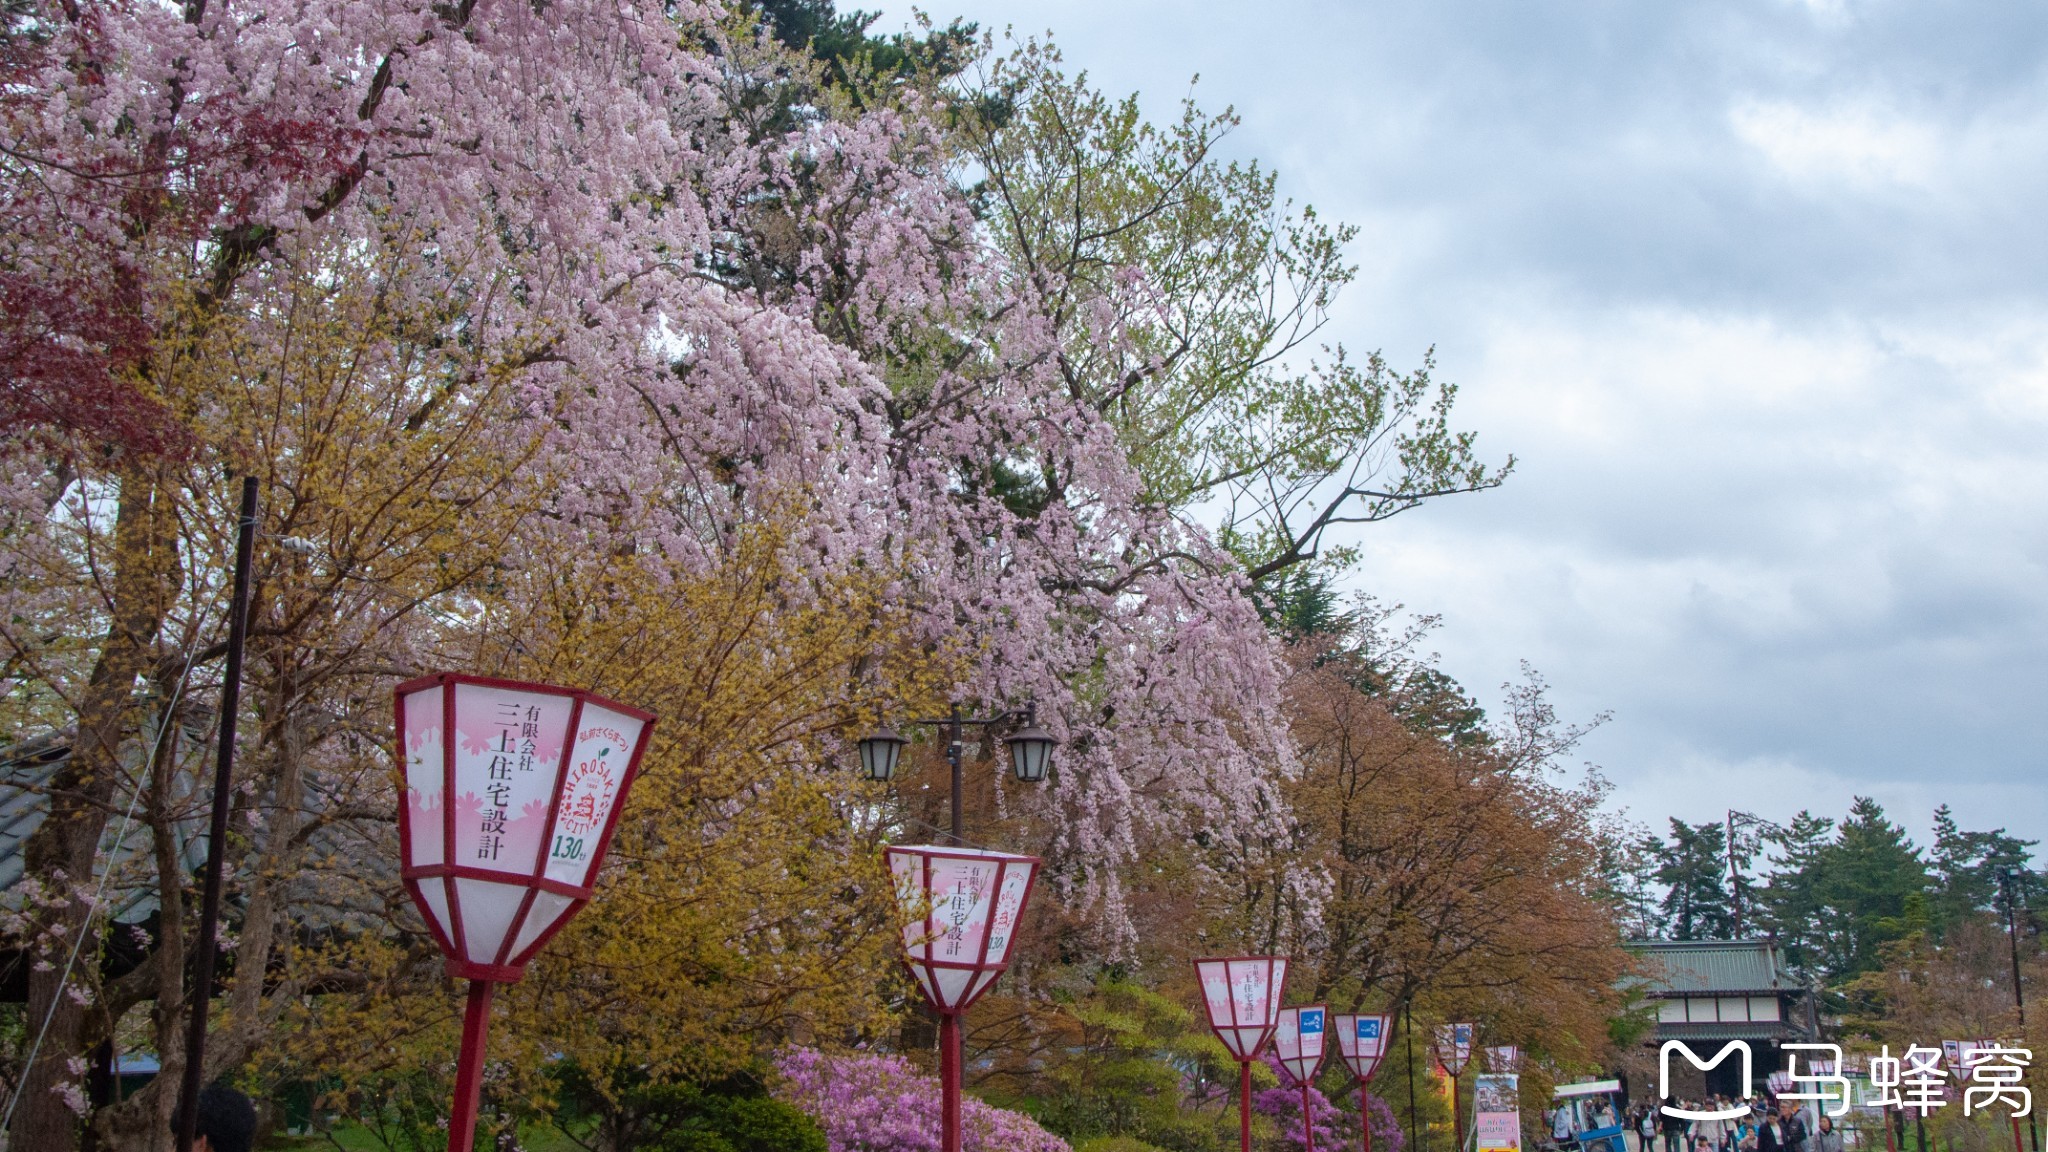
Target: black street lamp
pixel 1030 750
pixel 2008 885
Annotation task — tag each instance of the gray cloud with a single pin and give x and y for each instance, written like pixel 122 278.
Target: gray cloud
pixel 1754 290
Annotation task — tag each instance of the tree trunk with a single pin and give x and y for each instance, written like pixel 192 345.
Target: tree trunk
pixel 62 853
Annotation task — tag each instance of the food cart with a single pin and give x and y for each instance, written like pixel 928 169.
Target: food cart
pixel 1595 1113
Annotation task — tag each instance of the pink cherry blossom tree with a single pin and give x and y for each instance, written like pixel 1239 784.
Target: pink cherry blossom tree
pixel 687 320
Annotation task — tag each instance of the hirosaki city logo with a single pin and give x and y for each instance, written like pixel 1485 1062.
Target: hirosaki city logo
pixel 1988 1074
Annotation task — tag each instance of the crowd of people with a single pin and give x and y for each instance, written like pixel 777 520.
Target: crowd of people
pixel 1767 1125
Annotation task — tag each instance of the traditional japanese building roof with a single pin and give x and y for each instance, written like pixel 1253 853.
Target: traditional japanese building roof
pixel 1713 967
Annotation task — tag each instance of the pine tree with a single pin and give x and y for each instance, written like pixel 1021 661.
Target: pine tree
pixel 1696 905
pixel 1966 867
pixel 1789 903
pixel 1874 887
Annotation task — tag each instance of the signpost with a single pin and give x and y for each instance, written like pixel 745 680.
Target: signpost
pixel 1497 1112
pixel 961 908
pixel 512 792
pixel 1242 997
pixel 1298 1040
pixel 1453 1052
pixel 1362 1043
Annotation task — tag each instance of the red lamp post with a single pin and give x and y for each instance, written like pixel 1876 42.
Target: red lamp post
pixel 503 828
pixel 961 907
pixel 1453 1052
pixel 1298 1040
pixel 1242 995
pixel 1362 1042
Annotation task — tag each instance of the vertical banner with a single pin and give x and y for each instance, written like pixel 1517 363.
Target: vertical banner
pixel 1496 1101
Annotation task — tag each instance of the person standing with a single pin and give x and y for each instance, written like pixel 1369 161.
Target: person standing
pixel 1675 1128
pixel 1711 1129
pixel 1826 1139
pixel 1563 1132
pixel 1646 1127
pixel 1794 1127
pixel 1770 1133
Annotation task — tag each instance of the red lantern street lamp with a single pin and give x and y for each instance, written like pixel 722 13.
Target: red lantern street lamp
pixel 1453 1052
pixel 1298 1040
pixel 1242 995
pixel 1362 1042
pixel 503 827
pixel 961 908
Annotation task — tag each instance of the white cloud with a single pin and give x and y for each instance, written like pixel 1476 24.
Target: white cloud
pixel 1754 291
pixel 1854 142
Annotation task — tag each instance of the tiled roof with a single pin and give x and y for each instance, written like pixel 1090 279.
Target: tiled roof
pixel 1726 1030
pixel 1684 967
pixel 26 770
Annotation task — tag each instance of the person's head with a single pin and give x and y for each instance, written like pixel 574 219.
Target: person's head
pixel 227 1121
pixel 1826 1125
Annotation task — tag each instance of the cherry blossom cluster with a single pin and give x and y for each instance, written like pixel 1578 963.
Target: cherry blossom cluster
pixel 704 325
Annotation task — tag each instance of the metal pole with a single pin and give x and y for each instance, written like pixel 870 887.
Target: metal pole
pixel 1244 1106
pixel 1364 1118
pixel 1457 1113
pixel 469 1073
pixel 1408 1031
pixel 953 758
pixel 949 1082
pixel 1308 1127
pixel 2006 880
pixel 1734 877
pixel 217 831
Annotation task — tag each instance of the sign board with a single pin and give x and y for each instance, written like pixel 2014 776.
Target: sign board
pixel 1497 1109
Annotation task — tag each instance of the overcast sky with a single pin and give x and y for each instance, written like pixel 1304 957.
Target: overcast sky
pixel 1754 291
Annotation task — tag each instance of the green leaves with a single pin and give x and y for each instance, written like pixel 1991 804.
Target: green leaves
pixel 1190 301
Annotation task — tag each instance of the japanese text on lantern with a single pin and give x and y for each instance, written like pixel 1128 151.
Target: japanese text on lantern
pixel 967 893
pixel 512 750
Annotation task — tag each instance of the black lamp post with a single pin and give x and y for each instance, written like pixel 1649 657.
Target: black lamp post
pixel 1030 750
pixel 2008 884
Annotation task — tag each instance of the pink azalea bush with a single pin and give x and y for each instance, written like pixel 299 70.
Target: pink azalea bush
pixel 869 1102
pixel 1332 1124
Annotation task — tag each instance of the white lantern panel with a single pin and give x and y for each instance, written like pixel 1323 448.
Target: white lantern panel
pixel 1255 990
pixel 1300 1033
pixel 924 982
pixel 1244 1043
pixel 983 982
pixel 590 790
pixel 508 755
pixel 487 913
pixel 426 762
pixel 436 898
pixel 1215 976
pixel 1360 1036
pixel 952 985
pixel 1454 1046
pixel 1016 883
pixel 548 907
pixel 1298 1040
pixel 953 892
